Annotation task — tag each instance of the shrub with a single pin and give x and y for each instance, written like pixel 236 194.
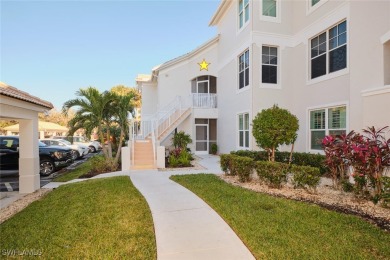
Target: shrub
pixel 100 165
pixel 225 163
pixel 368 154
pixel 386 191
pixel 181 140
pixel 214 149
pixel 273 127
pixel 242 166
pixel 274 174
pixel 173 161
pixel 305 177
pixel 179 157
pixel 307 159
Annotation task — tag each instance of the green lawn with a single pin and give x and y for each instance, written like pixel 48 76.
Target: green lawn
pixel 276 228
pixel 96 219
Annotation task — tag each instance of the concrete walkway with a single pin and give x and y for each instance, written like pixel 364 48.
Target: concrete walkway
pixel 185 226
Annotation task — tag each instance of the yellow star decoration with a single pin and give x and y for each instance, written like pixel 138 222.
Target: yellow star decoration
pixel 204 65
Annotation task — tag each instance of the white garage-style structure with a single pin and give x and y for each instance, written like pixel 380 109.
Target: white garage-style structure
pixel 23 107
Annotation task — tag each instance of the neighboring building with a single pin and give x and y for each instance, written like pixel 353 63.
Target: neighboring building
pixel 328 62
pixel 46 129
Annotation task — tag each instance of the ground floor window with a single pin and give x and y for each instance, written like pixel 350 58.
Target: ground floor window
pixel 243 130
pixel 326 121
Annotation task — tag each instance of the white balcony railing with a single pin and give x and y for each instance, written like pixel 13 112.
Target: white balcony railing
pixel 204 100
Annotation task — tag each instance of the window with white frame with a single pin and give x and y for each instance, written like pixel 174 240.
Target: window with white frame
pixel 314 2
pixel 269 8
pixel 329 51
pixel 269 68
pixel 243 12
pixel 326 121
pixel 243 130
pixel 243 70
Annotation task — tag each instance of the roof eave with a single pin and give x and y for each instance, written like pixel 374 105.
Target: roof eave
pixel 220 12
pixel 186 56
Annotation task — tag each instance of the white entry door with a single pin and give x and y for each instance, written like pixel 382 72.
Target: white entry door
pixel 202 139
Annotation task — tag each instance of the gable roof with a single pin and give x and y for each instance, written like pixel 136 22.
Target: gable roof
pixel 9 91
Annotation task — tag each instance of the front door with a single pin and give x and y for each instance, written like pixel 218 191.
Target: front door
pixel 202 139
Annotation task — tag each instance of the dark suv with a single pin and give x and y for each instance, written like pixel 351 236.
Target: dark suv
pixel 51 158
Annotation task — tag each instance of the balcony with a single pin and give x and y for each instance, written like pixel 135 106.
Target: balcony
pixel 204 100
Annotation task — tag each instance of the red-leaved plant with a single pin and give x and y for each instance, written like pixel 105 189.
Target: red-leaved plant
pixel 368 154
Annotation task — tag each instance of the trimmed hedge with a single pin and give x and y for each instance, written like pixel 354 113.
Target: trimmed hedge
pixel 274 174
pixel 301 159
pixel 305 177
pixel 237 165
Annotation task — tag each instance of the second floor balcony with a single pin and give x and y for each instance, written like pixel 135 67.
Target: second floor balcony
pixel 204 100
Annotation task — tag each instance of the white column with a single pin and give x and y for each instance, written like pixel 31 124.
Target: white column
pixel 41 134
pixel 125 154
pixel 161 157
pixel 29 180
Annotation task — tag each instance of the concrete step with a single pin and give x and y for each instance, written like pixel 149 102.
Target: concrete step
pixel 143 167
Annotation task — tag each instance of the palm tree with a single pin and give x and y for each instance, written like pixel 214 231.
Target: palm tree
pixel 93 112
pixel 123 106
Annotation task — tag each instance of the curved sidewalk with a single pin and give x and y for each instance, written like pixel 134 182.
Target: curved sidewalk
pixel 186 227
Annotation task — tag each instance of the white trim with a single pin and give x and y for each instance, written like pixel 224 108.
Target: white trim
pixel 245 24
pixel 208 137
pixel 266 18
pixel 385 37
pixel 310 8
pixel 238 89
pixel 328 75
pixel 278 85
pixel 375 91
pixel 326 107
pixel 237 132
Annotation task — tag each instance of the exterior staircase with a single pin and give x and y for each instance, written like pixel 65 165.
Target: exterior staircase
pixel 143 155
pixel 165 128
pixel 147 134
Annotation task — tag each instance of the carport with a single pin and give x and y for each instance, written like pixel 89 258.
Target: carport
pixel 23 107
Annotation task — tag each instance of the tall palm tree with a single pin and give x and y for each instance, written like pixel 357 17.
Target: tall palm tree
pixel 123 105
pixel 94 111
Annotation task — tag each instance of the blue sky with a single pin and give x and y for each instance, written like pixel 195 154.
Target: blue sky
pixel 51 49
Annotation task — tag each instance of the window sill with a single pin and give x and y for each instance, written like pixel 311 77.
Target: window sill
pixel 270 19
pixel 242 28
pixel 243 89
pixel 270 86
pixel 316 151
pixel 328 77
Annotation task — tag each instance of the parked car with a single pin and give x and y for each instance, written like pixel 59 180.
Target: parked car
pixel 51 158
pixel 94 146
pixel 78 150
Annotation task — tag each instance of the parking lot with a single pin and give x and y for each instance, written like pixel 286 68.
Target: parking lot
pixel 11 182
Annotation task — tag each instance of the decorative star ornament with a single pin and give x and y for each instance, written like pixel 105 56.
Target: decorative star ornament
pixel 204 65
